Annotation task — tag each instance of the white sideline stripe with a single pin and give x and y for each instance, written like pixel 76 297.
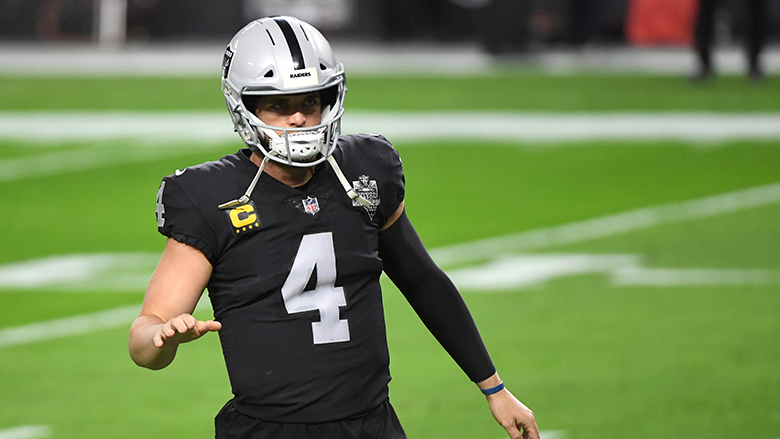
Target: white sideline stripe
pixel 157 127
pixel 160 135
pixel 611 225
pixel 210 127
pixel 552 434
pixel 60 162
pixel 77 325
pixel 200 127
pixel 521 271
pixel 66 327
pixel 483 250
pixel 623 270
pixel 100 272
pixel 667 277
pixel 26 432
pixel 552 127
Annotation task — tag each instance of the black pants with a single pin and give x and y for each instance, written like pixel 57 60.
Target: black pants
pixel 756 31
pixel 380 423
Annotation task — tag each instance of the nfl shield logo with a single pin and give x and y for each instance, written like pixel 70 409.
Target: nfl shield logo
pixel 311 205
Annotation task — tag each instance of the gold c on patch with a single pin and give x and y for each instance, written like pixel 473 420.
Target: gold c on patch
pixel 244 219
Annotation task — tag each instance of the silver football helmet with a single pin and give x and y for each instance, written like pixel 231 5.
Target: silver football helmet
pixel 283 55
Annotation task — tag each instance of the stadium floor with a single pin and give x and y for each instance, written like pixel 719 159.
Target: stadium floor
pixel 371 58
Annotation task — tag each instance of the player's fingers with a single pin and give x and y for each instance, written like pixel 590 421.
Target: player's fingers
pixel 168 329
pixel 179 324
pixel 532 432
pixel 158 340
pixel 514 432
pixel 209 325
pixel 189 320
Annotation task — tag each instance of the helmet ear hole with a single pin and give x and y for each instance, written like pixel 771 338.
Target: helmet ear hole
pixel 329 96
pixel 250 102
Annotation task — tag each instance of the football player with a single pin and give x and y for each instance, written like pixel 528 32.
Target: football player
pixel 290 236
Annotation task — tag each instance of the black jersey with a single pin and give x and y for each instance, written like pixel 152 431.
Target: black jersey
pixel 295 279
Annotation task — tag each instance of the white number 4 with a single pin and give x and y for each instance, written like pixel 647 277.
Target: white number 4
pixel 316 251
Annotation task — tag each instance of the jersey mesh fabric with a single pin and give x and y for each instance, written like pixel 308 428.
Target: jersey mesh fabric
pixel 279 370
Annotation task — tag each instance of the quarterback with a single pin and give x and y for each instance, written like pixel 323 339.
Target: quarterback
pixel 290 236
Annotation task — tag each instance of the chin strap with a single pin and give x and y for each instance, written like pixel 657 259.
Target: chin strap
pixel 344 183
pixel 342 179
pixel 245 198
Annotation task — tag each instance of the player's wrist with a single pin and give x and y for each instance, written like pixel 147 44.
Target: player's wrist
pixel 493 389
pixel 491 384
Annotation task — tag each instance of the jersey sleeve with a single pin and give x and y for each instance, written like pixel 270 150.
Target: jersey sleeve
pixel 434 298
pixel 395 188
pixel 178 217
pixel 372 159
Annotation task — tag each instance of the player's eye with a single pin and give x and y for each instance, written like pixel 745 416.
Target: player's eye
pixel 312 103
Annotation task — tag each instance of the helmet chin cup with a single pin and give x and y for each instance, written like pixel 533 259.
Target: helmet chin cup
pixel 296 146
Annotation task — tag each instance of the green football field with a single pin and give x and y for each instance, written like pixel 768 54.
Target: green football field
pixel 626 288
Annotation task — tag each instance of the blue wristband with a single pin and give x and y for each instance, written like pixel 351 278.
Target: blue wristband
pixel 493 390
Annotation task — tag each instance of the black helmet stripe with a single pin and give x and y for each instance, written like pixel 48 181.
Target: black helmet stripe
pixel 292 43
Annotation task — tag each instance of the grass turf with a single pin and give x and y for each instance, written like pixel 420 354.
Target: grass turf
pixel 590 358
pixel 510 90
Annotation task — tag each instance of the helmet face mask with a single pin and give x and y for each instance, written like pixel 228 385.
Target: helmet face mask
pixel 283 56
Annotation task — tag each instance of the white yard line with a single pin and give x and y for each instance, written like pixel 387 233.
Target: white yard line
pixel 101 272
pixel 82 159
pixel 153 136
pixel 77 325
pixel 509 273
pixel 67 327
pixel 676 277
pixel 26 432
pixel 165 127
pixel 565 127
pixel 493 249
pixel 610 225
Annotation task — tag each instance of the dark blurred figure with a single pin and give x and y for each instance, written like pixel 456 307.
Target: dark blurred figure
pixel 64 20
pixel 584 20
pixel 503 26
pixel 405 20
pixel 192 20
pixel 754 39
pixel 415 20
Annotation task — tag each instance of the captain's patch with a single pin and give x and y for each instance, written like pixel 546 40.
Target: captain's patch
pixel 244 219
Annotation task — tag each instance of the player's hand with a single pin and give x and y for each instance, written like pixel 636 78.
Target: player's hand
pixel 517 419
pixel 182 329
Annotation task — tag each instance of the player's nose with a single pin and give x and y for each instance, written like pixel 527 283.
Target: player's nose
pixel 297 119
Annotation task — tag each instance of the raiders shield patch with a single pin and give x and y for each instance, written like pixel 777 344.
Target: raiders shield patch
pixel 367 188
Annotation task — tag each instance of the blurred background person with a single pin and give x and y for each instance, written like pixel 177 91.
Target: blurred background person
pixel 755 34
